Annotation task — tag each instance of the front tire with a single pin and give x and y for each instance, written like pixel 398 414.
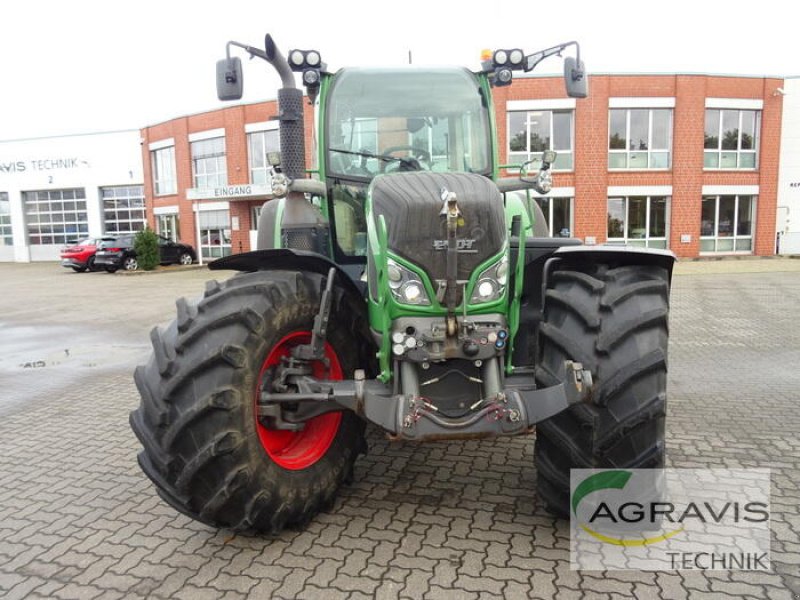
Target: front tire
pixel 614 321
pixel 204 447
pixel 186 259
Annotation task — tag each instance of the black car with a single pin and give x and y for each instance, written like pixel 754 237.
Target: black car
pixel 119 254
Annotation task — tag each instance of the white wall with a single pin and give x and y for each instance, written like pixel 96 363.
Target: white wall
pixel 788 216
pixel 87 161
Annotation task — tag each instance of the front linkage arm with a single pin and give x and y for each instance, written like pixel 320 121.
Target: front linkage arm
pixel 513 410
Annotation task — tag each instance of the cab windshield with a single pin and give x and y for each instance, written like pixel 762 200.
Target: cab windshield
pixel 386 120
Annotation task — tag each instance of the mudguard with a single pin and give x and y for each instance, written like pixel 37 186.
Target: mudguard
pixel 544 254
pixel 619 255
pixel 285 259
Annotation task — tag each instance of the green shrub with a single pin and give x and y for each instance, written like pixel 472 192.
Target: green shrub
pixel 145 244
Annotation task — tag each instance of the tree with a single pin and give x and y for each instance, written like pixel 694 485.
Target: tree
pixel 145 244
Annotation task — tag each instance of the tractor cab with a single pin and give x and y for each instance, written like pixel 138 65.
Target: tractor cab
pixel 384 121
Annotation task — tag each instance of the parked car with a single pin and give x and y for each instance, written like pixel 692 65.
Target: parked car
pixel 119 254
pixel 80 256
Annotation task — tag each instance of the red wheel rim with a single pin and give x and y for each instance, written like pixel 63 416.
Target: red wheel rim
pixel 295 450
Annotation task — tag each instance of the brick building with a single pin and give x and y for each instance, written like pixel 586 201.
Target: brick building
pixel 685 162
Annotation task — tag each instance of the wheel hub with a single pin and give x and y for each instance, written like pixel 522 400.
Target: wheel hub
pixel 295 450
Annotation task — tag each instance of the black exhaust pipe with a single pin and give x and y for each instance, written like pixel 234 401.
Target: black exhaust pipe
pixel 290 114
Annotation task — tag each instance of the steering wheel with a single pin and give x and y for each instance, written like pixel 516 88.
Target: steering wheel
pixel 408 163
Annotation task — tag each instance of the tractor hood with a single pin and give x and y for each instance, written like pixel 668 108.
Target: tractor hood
pixel 411 205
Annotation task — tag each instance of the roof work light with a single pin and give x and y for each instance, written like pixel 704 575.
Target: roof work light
pixel 309 63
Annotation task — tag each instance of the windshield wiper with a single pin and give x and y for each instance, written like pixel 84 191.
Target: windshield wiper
pixel 408 161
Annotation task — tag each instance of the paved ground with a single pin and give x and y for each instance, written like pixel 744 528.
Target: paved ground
pixel 447 520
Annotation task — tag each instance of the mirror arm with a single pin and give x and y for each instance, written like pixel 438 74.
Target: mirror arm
pixel 249 49
pixel 534 59
pixel 272 55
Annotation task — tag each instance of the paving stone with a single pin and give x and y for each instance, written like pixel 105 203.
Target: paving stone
pixel 74 591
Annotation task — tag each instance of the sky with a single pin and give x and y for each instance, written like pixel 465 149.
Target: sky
pixel 85 66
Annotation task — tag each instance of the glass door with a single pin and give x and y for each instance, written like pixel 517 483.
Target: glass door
pixel 168 226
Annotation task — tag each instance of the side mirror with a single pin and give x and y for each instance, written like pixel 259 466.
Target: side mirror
pixel 575 78
pixel 543 180
pixel 548 158
pixel 230 80
pixel 537 165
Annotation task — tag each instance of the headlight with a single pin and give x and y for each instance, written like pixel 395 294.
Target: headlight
pixel 491 283
pixel 406 286
pixel 313 59
pixel 502 272
pixel 395 274
pixel 311 77
pixel 412 292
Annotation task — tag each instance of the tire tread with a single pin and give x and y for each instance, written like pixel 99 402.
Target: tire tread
pixel 199 449
pixel 615 321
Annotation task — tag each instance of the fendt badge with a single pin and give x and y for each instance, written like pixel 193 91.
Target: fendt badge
pixel 464 246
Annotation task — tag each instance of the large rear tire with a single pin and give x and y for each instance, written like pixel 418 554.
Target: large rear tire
pixel 614 321
pixel 204 447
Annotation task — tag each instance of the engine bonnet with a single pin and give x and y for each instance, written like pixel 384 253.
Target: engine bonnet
pixel 410 204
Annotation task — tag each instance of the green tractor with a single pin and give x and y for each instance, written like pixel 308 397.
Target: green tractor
pixel 402 282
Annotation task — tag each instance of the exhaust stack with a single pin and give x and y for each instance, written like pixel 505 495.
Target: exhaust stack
pixel 290 115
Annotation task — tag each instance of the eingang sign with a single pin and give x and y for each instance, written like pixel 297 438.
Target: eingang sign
pixel 254 191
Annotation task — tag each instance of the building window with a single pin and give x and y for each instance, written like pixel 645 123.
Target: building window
pixel 731 138
pixel 532 132
pixel 6 235
pixel 727 224
pixel 638 221
pixel 362 136
pixel 56 216
pixel 259 143
pixel 639 138
pixel 364 133
pixel 123 209
pixel 432 138
pixel 208 163
pixel 168 226
pixel 215 233
pixel 558 212
pixel 164 180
